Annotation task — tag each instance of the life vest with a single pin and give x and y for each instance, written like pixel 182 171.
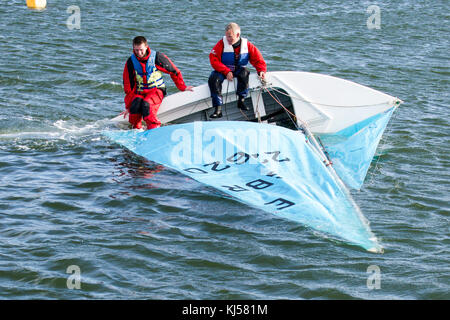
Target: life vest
pixel 151 78
pixel 228 54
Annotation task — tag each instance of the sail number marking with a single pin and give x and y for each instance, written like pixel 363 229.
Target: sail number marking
pixel 240 158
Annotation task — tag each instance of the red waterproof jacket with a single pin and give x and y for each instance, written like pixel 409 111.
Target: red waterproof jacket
pixel 255 58
pixel 162 63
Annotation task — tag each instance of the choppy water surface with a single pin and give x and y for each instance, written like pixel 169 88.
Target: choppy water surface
pixel 137 230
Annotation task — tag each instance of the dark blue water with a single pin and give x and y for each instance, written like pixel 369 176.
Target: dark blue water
pixel 71 200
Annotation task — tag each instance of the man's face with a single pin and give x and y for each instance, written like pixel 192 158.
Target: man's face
pixel 232 37
pixel 140 50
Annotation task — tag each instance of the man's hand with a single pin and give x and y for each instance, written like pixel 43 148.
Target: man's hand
pixel 230 76
pixel 125 113
pixel 189 88
pixel 262 75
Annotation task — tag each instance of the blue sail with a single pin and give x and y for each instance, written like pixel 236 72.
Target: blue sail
pixel 265 166
pixel 351 150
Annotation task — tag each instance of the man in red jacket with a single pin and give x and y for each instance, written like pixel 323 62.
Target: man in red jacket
pixel 228 58
pixel 144 85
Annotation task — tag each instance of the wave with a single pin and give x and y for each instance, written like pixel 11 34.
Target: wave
pixel 58 130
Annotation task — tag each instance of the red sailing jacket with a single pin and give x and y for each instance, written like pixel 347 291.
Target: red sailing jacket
pixel 255 58
pixel 162 63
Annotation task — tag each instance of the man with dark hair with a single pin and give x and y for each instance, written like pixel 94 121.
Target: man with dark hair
pixel 144 85
pixel 228 58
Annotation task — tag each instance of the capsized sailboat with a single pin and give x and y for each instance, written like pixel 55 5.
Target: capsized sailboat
pixel 306 138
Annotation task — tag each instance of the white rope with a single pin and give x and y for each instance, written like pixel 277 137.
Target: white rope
pixel 257 106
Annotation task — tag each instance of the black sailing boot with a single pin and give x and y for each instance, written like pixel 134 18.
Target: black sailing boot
pixel 217 113
pixel 241 105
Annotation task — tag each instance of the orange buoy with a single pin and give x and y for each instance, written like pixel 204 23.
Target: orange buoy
pixel 36 4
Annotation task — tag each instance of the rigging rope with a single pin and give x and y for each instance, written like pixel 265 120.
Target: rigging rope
pixel 257 103
pixel 226 97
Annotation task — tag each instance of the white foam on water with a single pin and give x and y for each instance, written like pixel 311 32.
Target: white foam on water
pixel 59 130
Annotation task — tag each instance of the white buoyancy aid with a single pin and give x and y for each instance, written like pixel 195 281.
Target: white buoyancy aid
pixel 228 55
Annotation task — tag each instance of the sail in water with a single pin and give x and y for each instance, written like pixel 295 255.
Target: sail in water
pixel 352 149
pixel 268 167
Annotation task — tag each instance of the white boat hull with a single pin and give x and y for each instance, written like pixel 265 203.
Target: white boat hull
pixel 325 103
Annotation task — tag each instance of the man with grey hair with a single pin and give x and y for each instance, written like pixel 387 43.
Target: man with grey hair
pixel 228 58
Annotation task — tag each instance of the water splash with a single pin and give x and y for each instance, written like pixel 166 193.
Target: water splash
pixel 58 130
